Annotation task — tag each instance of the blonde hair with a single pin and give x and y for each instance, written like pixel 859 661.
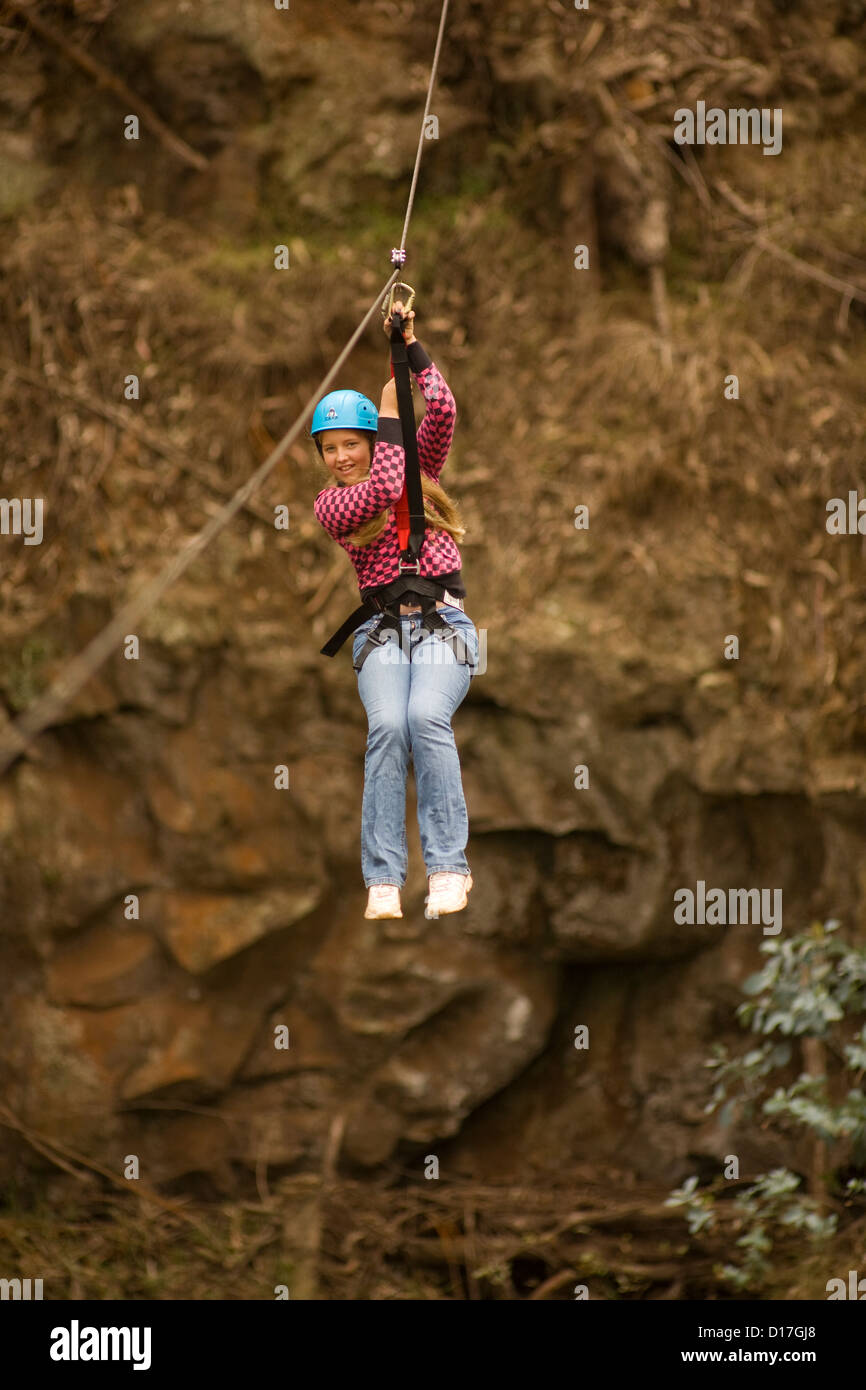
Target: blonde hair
pixel 441 512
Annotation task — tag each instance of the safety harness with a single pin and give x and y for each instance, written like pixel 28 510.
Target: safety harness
pixel 411 528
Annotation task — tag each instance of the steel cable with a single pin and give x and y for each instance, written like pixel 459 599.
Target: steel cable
pixel 16 737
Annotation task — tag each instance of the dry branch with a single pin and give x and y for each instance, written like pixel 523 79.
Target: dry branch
pixel 764 243
pixel 63 1157
pixel 134 427
pixel 810 272
pixel 105 78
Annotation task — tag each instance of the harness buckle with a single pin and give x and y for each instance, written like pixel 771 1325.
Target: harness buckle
pixel 409 566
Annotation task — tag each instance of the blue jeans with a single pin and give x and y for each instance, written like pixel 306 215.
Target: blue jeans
pixel 410 704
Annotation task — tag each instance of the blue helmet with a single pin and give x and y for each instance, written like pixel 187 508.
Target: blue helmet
pixel 344 410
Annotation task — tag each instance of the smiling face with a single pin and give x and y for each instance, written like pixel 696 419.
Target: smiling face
pixel 346 453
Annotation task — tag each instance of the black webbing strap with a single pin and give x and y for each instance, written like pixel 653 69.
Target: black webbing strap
pixel 410 580
pixel 333 644
pixel 432 622
pixel 378 603
pixel 414 494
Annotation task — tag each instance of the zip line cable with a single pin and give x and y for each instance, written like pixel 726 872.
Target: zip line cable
pixel 82 667
pixel 16 738
pixel 430 86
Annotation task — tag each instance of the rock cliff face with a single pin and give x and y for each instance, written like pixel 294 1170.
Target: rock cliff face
pixel 165 909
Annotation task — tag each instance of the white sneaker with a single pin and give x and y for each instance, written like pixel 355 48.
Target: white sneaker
pixel 449 892
pixel 383 900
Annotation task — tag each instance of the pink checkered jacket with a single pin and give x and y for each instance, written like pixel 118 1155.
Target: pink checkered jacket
pixel 343 508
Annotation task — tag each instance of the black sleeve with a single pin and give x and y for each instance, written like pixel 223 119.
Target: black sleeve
pixel 390 430
pixel 418 358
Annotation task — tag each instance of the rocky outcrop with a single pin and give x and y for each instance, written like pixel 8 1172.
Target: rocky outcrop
pixel 182 911
pixel 186 971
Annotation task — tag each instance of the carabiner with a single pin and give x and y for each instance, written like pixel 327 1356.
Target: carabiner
pixel 388 301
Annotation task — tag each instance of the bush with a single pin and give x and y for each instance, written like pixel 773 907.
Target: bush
pixel 809 986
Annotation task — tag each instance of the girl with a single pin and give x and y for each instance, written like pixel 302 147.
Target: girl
pixel 409 689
